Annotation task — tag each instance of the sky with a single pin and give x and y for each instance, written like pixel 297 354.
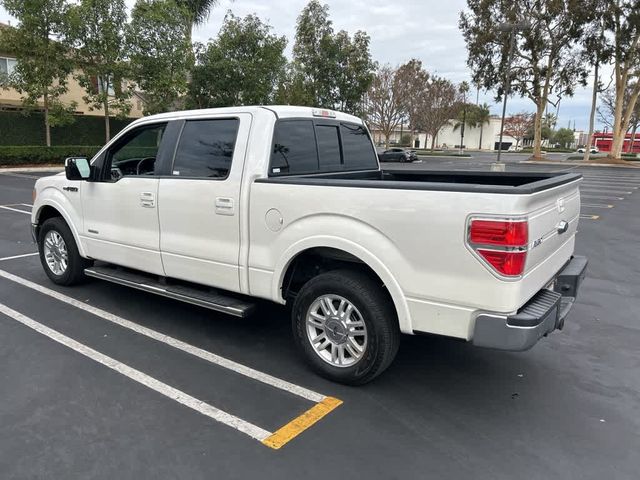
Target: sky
pixel 422 29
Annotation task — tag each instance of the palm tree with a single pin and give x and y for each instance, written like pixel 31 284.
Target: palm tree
pixel 196 13
pixel 476 116
pixel 483 114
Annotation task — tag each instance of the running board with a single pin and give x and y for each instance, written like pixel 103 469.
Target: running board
pixel 212 300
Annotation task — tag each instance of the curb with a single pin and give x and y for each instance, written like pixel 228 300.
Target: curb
pixel 578 164
pixel 31 169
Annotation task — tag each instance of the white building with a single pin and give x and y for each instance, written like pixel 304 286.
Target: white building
pixel 449 136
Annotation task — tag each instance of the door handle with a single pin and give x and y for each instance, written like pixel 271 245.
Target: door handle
pixel 225 206
pixel 147 200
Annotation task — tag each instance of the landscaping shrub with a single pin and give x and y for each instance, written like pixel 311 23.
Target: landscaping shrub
pixel 19 129
pixel 37 155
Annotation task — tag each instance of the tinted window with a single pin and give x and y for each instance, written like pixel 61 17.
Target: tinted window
pixel 328 147
pixel 357 148
pixel 294 148
pixel 206 148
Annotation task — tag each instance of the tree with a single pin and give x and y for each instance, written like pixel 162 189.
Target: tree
pixel 354 70
pixel 242 66
pixel 159 53
pixel 606 111
pixel 622 22
pixel 43 63
pixel 194 12
pixel 596 52
pixel 481 116
pixel 564 137
pixel 384 102
pixel 477 116
pixel 439 102
pixel 97 30
pixel 335 70
pixel 545 61
pixel 412 80
pixel 518 125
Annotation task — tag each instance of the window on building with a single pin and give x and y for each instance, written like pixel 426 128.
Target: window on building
pixel 7 66
pixel 206 148
pixel 110 90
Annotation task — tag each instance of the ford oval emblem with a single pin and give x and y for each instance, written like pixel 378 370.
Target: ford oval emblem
pixel 560 205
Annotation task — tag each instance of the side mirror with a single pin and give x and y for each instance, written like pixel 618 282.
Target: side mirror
pixel 77 168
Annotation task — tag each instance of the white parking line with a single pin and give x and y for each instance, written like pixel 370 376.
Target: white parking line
pixel 602 182
pixel 18 256
pixel 174 342
pixel 136 375
pixel 602 197
pixel 606 190
pixel 596 205
pixel 14 210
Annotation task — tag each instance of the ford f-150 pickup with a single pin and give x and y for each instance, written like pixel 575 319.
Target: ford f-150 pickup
pixel 222 207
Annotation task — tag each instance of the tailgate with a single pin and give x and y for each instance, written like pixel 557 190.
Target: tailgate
pixel 553 221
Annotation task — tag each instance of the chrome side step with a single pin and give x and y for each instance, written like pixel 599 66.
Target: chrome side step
pixel 212 300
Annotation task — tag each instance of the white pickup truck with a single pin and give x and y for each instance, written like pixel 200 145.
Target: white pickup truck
pixel 222 207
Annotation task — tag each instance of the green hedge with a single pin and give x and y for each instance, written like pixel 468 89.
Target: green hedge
pixel 20 129
pixel 36 155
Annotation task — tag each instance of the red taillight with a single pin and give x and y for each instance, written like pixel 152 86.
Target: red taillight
pixel 509 264
pixel 492 232
pixel 502 244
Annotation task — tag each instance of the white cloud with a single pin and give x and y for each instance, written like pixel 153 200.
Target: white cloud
pixel 423 29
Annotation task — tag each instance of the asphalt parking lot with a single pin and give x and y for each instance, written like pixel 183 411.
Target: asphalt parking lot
pixel 141 393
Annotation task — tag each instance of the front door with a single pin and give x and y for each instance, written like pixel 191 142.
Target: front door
pixel 199 202
pixel 120 208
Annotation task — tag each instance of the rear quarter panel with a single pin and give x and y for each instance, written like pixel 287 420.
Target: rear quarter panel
pixel 413 239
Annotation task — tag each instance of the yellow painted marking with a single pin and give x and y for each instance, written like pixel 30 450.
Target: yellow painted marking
pixel 590 217
pixel 298 425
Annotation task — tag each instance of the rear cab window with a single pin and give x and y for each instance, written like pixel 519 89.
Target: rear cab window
pixel 307 146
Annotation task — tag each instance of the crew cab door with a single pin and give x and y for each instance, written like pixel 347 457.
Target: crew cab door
pixel 199 202
pixel 120 207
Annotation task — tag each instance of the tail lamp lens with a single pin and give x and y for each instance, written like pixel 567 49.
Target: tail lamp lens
pixel 495 242
pixel 509 264
pixel 490 232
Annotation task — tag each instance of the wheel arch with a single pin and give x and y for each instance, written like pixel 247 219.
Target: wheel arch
pixel 338 252
pixel 49 208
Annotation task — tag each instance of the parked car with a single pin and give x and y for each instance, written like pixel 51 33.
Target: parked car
pixel 591 150
pixel 515 148
pixel 221 207
pixel 397 154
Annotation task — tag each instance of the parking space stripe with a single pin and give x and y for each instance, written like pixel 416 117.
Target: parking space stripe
pixel 596 205
pixel 602 197
pixel 589 217
pixel 18 256
pixel 298 425
pixel 598 191
pixel 174 342
pixel 14 210
pixel 142 378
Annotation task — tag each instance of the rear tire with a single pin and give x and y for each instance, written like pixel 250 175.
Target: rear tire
pixel 59 253
pixel 346 327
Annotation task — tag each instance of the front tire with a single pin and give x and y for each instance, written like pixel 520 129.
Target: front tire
pixel 345 326
pixel 59 253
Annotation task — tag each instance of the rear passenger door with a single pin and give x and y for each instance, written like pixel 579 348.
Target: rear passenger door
pixel 198 202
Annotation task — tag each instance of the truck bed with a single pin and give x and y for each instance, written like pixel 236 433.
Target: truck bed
pixel 515 183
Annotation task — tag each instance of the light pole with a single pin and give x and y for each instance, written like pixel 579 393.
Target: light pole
pixel 512 28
